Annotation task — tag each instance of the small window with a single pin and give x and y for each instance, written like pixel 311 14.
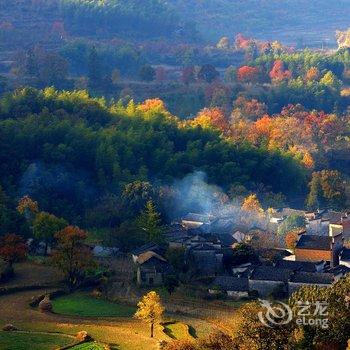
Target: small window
pixel 150 281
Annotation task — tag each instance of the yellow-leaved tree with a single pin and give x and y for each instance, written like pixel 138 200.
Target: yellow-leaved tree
pixel 252 204
pixel 150 310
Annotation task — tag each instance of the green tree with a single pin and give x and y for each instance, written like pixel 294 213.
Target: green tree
pixel 94 69
pixel 150 310
pixel 150 223
pixel 46 225
pixel 337 299
pixel 230 74
pixel 291 223
pixel 147 73
pixel 208 73
pixel 135 195
pixel 327 190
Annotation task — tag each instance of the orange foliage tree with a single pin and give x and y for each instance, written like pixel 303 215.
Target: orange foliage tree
pixel 250 109
pixel 72 256
pixel 154 104
pixel 291 238
pixel 211 118
pixel 12 248
pixel 247 74
pixel 278 73
pixel 312 74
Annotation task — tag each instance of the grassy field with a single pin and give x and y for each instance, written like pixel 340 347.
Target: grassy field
pixel 178 330
pixel 89 346
pixel 20 341
pixel 80 304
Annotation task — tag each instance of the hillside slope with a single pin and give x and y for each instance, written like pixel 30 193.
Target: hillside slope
pixel 286 20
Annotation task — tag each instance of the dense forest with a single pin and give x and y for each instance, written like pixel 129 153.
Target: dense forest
pixel 67 150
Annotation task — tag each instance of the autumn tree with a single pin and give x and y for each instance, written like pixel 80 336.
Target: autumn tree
pixel 250 109
pixel 150 222
pixel 13 248
pixel 223 43
pixel 247 74
pixel 327 190
pixel 46 225
pixel 252 204
pixel 209 118
pixel 250 333
pixel 336 298
pixel 72 256
pixel 291 239
pixel 218 340
pixel 27 207
pixel 330 80
pixel 278 73
pixel 150 310
pixel 312 74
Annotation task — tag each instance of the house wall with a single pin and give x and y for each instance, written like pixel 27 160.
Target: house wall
pixel 312 255
pixel 237 295
pixel 345 263
pixel 335 229
pixel 146 278
pixel 293 286
pixel 346 227
pixel 264 288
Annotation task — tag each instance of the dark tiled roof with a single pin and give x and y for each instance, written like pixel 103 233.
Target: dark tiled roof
pixel 145 248
pixel 312 278
pixel 197 217
pixel 271 273
pixel 345 254
pixel 203 246
pixel 297 265
pixel 229 283
pixel 227 239
pixel 339 270
pixel 314 242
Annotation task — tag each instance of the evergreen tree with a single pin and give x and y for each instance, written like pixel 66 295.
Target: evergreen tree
pixel 94 70
pixel 150 221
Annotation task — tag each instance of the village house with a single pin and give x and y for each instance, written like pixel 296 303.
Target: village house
pixel 316 248
pixel 149 247
pixel 151 269
pixel 267 279
pixel 300 279
pixel 207 258
pixel 233 287
pixel 328 222
pixel 344 257
pixel 304 266
pixel 193 220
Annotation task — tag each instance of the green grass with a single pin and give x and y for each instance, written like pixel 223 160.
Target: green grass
pixel 34 341
pixel 88 346
pixel 80 304
pixel 178 330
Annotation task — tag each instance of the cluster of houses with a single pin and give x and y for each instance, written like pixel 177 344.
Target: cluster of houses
pixel 320 257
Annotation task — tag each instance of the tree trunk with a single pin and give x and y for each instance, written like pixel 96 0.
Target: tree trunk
pixel 152 326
